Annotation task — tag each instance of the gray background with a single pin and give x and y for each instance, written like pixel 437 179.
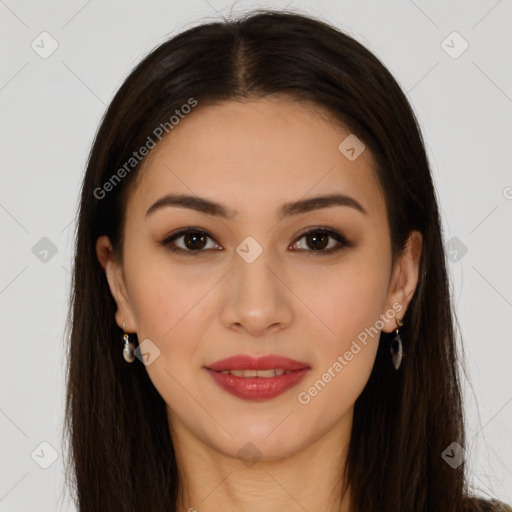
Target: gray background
pixel 51 107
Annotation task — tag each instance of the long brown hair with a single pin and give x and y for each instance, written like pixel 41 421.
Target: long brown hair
pixel 121 457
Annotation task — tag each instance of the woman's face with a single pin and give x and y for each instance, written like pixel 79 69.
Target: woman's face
pixel 247 281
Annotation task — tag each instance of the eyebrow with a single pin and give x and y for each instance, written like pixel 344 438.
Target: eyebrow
pixel 210 207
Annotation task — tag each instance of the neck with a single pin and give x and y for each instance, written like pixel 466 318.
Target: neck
pixel 310 479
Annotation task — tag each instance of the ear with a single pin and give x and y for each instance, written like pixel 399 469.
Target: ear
pixel 116 282
pixel 403 280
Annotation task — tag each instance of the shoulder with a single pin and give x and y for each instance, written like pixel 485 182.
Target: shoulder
pixel 475 504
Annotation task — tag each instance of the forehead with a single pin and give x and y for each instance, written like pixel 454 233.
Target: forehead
pixel 258 154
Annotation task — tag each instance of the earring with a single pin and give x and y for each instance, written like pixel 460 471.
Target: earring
pixel 396 346
pixel 129 347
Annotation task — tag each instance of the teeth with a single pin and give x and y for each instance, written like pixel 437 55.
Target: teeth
pixel 256 373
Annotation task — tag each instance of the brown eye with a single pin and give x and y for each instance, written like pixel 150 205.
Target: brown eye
pixel 194 240
pixel 318 240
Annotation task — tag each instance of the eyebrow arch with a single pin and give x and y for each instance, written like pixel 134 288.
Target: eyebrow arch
pixel 209 207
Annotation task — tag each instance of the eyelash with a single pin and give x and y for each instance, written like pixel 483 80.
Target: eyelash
pixel 167 242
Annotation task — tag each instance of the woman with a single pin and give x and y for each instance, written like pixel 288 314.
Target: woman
pixel 261 315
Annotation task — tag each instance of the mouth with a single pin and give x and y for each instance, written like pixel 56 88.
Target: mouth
pixel 261 378
pixel 246 362
pixel 273 372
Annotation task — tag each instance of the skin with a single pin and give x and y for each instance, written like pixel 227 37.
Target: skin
pixel 252 157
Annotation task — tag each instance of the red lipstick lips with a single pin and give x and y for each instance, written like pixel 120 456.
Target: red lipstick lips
pixel 257 378
pixel 246 362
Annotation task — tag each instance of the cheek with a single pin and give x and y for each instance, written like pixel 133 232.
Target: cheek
pixel 171 303
pixel 174 309
pixel 345 304
pixel 345 299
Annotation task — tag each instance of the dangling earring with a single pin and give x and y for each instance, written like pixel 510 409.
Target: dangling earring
pixel 129 347
pixel 396 346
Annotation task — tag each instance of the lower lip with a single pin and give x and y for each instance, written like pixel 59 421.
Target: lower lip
pixel 257 388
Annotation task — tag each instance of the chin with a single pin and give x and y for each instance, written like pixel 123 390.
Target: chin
pixel 264 440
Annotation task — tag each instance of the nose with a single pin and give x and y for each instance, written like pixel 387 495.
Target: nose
pixel 257 298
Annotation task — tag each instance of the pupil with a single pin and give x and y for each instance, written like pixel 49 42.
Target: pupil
pixel 193 240
pixel 322 238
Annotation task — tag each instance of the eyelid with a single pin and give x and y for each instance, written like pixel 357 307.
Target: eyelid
pixel 167 241
pixel 330 232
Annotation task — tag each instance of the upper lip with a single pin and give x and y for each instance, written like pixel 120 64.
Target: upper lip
pixel 247 362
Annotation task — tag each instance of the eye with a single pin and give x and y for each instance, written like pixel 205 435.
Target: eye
pixel 194 240
pixel 318 240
